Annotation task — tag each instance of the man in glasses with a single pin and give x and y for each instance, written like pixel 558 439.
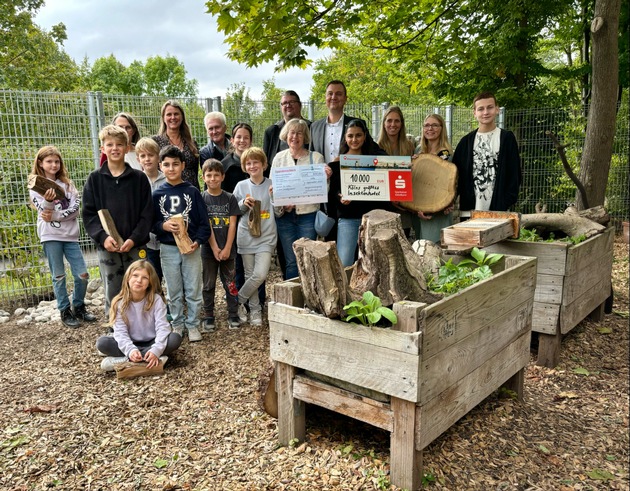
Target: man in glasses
pixel 488 162
pixel 291 108
pixel 327 133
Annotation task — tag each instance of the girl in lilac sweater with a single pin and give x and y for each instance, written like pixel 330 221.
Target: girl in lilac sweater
pixel 138 315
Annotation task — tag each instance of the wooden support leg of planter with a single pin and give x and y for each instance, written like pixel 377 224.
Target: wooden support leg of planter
pixel 549 349
pixel 598 314
pixel 291 421
pixel 515 384
pixel 405 460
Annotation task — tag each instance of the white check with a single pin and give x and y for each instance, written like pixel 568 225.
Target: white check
pixel 299 185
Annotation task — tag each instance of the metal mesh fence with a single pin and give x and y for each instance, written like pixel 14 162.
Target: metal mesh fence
pixel 70 121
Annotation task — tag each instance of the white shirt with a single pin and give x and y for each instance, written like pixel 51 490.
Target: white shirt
pixel 485 165
pixel 332 139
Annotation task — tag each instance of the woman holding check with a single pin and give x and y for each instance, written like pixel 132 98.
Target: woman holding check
pixel 296 221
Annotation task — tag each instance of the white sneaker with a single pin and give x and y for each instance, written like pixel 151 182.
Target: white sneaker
pixel 255 318
pixel 242 312
pixel 179 330
pixel 163 359
pixel 194 335
pixel 108 364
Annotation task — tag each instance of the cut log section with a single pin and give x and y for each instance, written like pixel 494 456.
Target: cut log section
pixel 40 185
pixel 183 241
pixel 132 370
pixel 434 182
pixel 326 289
pixel 387 264
pixel 253 219
pixel 107 222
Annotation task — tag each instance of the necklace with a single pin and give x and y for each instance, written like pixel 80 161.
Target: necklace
pixel 179 141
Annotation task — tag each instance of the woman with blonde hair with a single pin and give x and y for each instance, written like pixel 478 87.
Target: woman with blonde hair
pixel 434 141
pixel 393 135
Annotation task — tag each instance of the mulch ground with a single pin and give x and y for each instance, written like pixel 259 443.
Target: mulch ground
pixel 66 425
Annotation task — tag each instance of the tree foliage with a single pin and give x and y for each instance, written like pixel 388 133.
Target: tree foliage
pixel 30 57
pixel 158 76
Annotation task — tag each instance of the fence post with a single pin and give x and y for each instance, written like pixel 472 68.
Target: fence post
pixel 217 104
pixel 208 104
pixel 93 119
pixel 448 119
pixel 375 120
pixel 501 117
pixel 310 106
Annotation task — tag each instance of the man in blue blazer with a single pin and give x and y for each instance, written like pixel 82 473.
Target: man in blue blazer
pixel 327 133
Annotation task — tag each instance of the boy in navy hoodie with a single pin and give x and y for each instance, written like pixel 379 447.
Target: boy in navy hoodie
pixel 182 272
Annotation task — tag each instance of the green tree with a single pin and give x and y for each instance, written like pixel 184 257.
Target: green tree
pixel 167 76
pixel 271 96
pixel 30 57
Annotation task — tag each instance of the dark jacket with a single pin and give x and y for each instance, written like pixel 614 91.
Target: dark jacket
pixel 211 151
pixel 318 133
pixel 233 172
pixel 509 174
pixel 126 197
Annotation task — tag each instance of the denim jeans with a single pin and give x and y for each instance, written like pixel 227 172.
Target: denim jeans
pixel 347 238
pixel 292 227
pixel 183 275
pixel 431 229
pixel 55 250
pixel 256 269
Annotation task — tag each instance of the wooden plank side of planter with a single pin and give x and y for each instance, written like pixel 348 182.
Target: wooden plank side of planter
pixel 552 256
pixel 450 365
pixel 545 318
pixel 440 413
pixel 571 315
pixel 341 401
pixel 368 365
pixel 584 279
pixel 549 288
pixel 375 336
pixel 580 255
pixel 454 318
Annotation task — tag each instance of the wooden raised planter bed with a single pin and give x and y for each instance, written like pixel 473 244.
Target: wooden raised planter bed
pixel 433 367
pixel 573 282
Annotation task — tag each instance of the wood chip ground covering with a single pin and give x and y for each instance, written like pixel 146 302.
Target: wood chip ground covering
pixel 67 425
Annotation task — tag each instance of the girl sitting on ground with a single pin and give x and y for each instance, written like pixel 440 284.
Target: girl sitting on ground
pixel 138 316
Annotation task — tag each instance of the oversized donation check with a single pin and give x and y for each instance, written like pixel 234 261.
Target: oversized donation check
pixel 376 178
pixel 299 185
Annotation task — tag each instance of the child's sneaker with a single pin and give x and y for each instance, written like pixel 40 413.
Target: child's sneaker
pixel 255 318
pixel 234 322
pixel 242 312
pixel 208 325
pixel 108 364
pixel 194 335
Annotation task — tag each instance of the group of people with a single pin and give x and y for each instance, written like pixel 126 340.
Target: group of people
pixel 151 189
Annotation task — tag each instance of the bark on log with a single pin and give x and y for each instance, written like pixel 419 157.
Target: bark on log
pixel 324 281
pixel 430 255
pixel 387 265
pixel 133 370
pixel 572 223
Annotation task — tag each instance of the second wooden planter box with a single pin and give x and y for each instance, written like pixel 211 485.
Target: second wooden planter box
pixel 572 282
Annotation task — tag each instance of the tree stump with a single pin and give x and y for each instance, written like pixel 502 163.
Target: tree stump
pixel 387 264
pixel 571 222
pixel 325 283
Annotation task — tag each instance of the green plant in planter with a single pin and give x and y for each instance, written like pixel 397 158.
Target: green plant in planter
pixel 368 311
pixel 454 277
pixel 532 235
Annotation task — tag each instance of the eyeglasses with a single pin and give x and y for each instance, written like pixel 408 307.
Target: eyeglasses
pixel 432 126
pixel 289 103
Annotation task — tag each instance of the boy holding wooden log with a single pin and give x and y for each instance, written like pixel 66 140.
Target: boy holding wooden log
pixel 117 203
pixel 181 226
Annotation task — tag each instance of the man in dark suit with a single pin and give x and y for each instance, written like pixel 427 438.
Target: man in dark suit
pixel 327 133
pixel 291 108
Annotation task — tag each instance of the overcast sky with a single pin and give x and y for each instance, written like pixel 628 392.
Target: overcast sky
pixel 138 29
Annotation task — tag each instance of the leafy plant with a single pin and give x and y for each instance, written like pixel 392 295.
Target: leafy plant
pixel 453 277
pixel 368 311
pixel 527 235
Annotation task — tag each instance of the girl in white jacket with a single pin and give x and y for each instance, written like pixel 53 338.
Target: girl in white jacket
pixel 58 230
